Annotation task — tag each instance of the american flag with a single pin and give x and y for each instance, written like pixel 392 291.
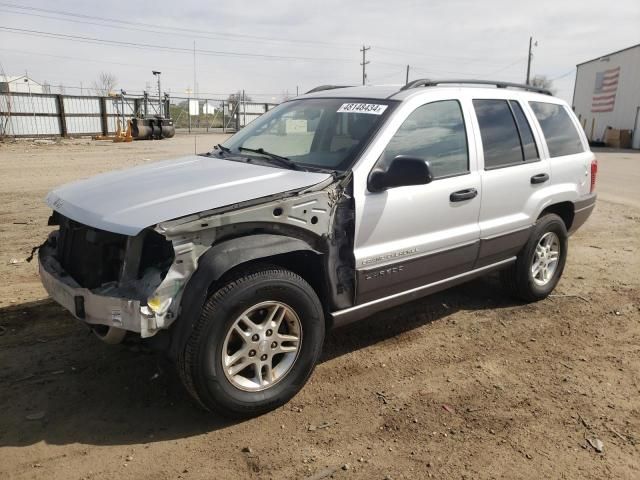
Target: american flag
pixel 604 94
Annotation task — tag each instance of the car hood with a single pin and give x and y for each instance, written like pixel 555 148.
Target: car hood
pixel 128 201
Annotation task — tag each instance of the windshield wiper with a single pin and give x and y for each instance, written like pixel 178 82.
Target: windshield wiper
pixel 282 160
pixel 222 148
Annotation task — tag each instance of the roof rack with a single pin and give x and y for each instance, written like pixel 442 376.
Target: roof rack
pixel 327 87
pixel 425 82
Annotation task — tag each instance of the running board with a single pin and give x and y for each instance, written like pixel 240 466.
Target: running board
pixel 359 312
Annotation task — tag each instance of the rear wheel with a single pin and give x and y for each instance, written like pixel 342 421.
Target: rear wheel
pixel 540 264
pixel 256 343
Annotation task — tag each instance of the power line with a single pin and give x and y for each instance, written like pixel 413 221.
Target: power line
pixel 209 36
pixel 193 33
pixel 168 27
pixel 440 57
pixel 221 53
pixel 564 75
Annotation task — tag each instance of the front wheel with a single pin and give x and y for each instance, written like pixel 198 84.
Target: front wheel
pixel 540 264
pixel 255 344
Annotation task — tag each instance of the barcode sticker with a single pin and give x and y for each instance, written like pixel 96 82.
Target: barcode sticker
pixel 116 316
pixel 370 108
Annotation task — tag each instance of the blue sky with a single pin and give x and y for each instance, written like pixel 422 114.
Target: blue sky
pixel 270 47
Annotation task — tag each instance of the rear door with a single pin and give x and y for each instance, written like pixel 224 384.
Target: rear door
pixel 513 174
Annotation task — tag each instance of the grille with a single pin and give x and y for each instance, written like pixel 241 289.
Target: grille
pixel 90 256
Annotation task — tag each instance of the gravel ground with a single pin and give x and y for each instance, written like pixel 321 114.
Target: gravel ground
pixel 463 384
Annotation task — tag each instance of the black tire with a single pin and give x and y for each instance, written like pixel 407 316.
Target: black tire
pixel 200 364
pixel 518 278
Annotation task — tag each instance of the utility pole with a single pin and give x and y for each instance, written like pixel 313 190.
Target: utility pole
pixel 157 75
pixel 195 87
pixel 529 58
pixel 364 63
pixel 407 79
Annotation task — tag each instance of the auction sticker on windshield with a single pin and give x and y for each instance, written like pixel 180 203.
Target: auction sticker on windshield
pixel 371 108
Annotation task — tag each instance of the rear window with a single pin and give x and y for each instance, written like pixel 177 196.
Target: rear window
pixel 559 131
pixel 500 137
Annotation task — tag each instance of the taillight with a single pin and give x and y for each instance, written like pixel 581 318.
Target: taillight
pixel 594 173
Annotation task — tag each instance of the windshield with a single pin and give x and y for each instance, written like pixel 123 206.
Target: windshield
pixel 326 133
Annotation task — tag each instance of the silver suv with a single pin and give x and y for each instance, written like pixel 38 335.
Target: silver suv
pixel 330 207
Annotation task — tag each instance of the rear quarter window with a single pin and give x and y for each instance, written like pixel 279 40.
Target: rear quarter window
pixel 559 131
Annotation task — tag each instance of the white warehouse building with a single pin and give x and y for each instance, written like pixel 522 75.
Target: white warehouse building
pixel 607 95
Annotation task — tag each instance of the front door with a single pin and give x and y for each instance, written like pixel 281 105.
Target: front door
pixel 411 236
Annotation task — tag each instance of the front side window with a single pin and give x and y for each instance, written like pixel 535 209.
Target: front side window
pixel 325 133
pixel 559 131
pixel 434 132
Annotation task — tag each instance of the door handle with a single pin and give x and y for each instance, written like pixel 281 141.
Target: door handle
pixel 540 178
pixel 462 195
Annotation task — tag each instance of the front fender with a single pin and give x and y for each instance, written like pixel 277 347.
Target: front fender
pixel 213 264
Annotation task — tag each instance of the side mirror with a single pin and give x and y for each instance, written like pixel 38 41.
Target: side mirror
pixel 401 172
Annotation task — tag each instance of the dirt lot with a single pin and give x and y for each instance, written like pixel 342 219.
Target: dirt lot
pixel 464 384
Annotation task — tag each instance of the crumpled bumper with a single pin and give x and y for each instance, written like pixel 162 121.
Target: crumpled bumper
pixel 85 305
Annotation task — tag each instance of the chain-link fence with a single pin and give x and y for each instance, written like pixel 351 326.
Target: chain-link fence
pixel 214 114
pixel 32 115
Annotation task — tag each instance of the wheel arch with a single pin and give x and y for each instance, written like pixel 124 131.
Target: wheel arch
pixel 228 258
pixel 565 210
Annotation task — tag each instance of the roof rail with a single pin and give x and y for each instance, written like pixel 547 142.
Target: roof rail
pixel 425 82
pixel 327 87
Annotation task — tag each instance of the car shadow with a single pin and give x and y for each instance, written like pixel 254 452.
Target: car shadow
pixel 61 387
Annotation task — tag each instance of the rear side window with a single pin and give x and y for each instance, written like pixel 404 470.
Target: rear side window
pixel 434 132
pixel 500 137
pixel 559 131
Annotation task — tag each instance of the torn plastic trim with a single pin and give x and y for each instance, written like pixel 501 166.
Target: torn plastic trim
pixel 163 305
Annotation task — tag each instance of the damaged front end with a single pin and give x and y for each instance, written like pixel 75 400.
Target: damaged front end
pixel 118 283
pixel 113 282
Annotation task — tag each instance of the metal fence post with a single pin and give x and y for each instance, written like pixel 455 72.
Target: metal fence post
pixel 61 116
pixel 103 116
pixel 224 122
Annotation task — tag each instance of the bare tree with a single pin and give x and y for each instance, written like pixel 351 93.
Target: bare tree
pixel 105 84
pixel 542 81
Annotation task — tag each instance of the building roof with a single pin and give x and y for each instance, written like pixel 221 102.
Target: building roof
pixel 609 54
pixel 15 78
